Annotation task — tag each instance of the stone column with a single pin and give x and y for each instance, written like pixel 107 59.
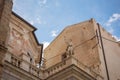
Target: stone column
pixel 5 13
pixel 3 50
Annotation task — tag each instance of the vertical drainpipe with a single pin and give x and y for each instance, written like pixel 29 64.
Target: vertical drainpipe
pixel 103 52
pixel 41 54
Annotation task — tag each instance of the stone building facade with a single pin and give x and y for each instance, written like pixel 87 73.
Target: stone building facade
pixel 83 51
pixel 88 47
pixel 20 52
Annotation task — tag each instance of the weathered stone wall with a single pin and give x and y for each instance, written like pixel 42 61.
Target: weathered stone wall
pixel 1 7
pixel 87 48
pixel 3 50
pixel 21 40
pixel 17 38
pixel 84 40
pixel 112 55
pixel 5 12
pixel 13 72
pixel 4 20
pixel 7 76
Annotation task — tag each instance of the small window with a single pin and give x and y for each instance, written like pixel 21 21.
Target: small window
pixel 28 54
pixel 30 59
pixel 19 63
pixel 64 56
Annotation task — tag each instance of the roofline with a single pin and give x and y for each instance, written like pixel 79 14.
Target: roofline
pixel 67 28
pixel 39 44
pixel 28 25
pixel 33 32
pixel 41 54
pixel 24 21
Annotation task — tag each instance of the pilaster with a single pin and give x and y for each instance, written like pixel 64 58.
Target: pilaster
pixel 5 13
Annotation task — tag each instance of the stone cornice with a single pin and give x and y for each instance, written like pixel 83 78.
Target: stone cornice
pixel 19 71
pixel 71 70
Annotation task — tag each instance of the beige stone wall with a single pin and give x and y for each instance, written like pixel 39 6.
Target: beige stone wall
pixel 21 39
pixel 5 11
pixel 3 50
pixel 112 55
pixel 1 7
pixel 6 7
pixel 83 39
pixel 17 45
pixel 12 72
pixel 17 39
pixel 87 50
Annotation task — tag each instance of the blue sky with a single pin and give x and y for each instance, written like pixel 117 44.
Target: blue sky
pixel 50 17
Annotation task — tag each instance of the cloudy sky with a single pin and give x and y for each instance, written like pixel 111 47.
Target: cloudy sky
pixel 52 16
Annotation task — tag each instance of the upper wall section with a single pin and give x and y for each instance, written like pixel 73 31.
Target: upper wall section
pixel 111 54
pixel 5 12
pixel 83 39
pixel 22 40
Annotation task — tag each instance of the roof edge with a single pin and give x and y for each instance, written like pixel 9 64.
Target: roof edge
pixel 67 27
pixel 34 28
pixel 24 21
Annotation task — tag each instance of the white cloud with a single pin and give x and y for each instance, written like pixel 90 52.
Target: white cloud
pixel 54 33
pixel 45 44
pixel 117 38
pixel 42 2
pixel 111 30
pixel 35 21
pixel 14 1
pixel 113 18
pixel 38 20
pixel 57 4
pixel 31 22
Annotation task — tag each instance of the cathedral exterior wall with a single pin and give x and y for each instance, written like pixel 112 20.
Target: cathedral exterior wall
pixel 83 39
pixel 20 52
pixel 90 52
pixel 83 51
pixel 112 55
